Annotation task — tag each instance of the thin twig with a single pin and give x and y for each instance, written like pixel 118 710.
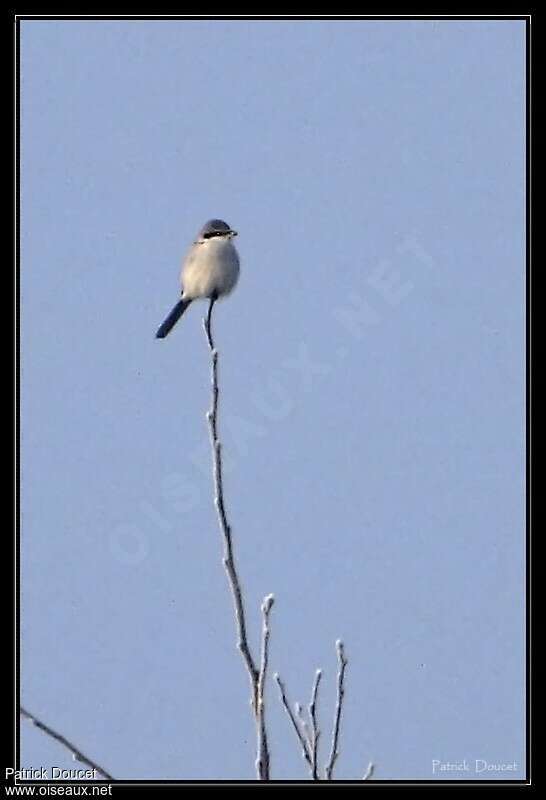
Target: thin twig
pixel 369 772
pixel 306 753
pixel 208 323
pixel 229 560
pixel 77 754
pixel 337 714
pixel 262 763
pixel 315 731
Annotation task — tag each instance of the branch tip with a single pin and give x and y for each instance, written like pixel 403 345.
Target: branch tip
pixel 267 603
pixel 369 772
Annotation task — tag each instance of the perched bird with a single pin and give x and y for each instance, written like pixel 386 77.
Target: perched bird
pixel 210 270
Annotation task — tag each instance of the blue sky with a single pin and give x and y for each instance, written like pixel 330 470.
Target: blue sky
pixel 372 378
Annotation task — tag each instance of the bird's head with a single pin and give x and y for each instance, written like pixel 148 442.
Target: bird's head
pixel 216 228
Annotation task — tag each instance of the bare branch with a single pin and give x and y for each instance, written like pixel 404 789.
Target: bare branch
pixel 369 772
pixel 306 753
pixel 337 714
pixel 229 562
pixel 262 764
pixel 77 754
pixel 315 731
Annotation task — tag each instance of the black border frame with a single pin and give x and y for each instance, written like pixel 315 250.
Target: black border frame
pixel 144 784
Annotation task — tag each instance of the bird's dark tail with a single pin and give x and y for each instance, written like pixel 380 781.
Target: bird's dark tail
pixel 172 319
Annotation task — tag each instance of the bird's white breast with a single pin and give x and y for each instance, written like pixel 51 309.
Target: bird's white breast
pixel 211 267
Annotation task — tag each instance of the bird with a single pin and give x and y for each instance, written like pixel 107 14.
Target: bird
pixel 209 270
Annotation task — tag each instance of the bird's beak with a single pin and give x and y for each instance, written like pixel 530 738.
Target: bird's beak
pixel 233 233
